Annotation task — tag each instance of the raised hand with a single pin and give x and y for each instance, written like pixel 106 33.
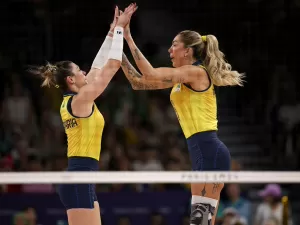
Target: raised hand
pixel 114 22
pixel 127 33
pixel 124 18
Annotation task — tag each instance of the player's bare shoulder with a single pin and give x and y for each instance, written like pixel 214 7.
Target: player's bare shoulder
pixel 195 73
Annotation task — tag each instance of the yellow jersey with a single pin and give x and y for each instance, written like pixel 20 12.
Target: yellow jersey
pixel 196 110
pixel 84 134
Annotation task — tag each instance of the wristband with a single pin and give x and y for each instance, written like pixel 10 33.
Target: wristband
pixel 116 48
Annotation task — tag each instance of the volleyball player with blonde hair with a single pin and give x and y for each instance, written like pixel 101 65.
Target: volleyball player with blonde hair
pixel 199 65
pixel 81 118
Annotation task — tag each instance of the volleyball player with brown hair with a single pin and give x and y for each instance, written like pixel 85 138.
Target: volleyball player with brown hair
pixel 81 118
pixel 199 65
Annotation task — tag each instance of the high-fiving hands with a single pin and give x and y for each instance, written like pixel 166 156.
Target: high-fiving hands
pixel 123 18
pixel 127 33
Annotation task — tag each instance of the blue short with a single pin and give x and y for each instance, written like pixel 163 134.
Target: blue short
pixel 79 195
pixel 208 152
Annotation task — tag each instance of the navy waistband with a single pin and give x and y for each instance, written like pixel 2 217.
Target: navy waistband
pixel 203 135
pixel 82 164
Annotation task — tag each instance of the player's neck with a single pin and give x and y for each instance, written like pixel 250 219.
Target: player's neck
pixel 74 89
pixel 188 62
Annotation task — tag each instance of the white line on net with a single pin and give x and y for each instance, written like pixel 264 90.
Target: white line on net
pixel 148 177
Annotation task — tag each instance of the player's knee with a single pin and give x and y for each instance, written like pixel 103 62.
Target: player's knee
pixel 201 214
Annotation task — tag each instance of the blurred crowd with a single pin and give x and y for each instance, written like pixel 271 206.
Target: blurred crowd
pixel 142 132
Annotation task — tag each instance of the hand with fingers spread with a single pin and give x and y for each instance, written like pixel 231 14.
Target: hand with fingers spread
pixel 125 16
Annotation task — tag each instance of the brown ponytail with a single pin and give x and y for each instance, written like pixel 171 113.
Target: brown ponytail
pixel 48 75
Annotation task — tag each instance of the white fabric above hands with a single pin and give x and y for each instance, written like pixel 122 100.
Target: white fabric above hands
pixel 102 55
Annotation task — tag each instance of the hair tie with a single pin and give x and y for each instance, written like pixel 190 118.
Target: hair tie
pixel 53 68
pixel 203 38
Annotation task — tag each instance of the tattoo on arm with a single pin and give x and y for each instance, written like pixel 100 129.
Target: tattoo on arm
pixel 135 78
pixel 129 68
pixel 132 75
pixel 167 80
pixel 142 86
pixel 136 54
pixel 171 80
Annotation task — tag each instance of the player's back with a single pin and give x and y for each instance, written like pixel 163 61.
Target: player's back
pixel 84 134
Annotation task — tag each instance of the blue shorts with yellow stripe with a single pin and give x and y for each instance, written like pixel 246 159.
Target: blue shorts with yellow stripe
pixel 79 195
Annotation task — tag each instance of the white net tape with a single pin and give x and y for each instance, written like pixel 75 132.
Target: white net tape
pixel 148 177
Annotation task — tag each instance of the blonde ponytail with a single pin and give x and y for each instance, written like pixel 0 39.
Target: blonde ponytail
pixel 218 69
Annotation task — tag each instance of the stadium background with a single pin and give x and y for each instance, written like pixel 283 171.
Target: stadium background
pixel 259 123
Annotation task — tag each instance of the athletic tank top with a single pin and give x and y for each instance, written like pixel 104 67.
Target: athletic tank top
pixel 84 133
pixel 196 110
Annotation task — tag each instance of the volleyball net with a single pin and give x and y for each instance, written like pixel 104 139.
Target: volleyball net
pixel 148 177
